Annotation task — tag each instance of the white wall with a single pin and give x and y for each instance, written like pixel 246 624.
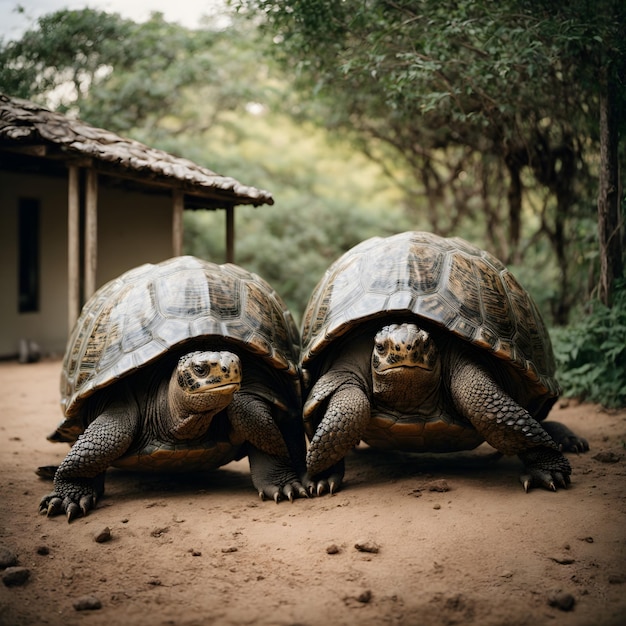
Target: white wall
pixel 133 229
pixel 48 326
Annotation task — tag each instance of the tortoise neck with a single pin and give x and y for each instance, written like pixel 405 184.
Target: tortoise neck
pixel 407 390
pixel 190 414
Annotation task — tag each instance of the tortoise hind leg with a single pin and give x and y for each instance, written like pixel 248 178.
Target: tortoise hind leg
pixel 507 426
pixel 567 439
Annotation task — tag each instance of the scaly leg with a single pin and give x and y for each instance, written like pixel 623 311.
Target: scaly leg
pixel 273 468
pixel 344 423
pixel 79 480
pixel 508 426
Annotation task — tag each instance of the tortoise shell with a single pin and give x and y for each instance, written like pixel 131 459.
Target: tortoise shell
pixel 447 281
pixel 151 310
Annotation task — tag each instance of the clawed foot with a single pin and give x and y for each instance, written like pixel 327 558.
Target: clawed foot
pixel 73 506
pixel 46 472
pixel 541 478
pixel 74 498
pixel 277 492
pixel 545 468
pixel 328 481
pixel 566 439
pixel 275 478
pixel 574 444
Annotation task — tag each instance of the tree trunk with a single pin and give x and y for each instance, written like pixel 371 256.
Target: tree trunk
pixel 611 262
pixel 515 211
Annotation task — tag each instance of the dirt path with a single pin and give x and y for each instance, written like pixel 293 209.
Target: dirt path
pixel 201 550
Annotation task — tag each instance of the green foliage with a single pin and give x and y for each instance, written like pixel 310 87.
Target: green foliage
pixel 434 98
pixel 328 198
pixel 591 354
pixel 66 47
pixel 114 72
pixel 473 107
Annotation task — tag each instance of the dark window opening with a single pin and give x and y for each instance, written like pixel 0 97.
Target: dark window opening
pixel 28 241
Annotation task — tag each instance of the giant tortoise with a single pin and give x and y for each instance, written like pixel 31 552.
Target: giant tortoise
pixel 181 365
pixel 421 343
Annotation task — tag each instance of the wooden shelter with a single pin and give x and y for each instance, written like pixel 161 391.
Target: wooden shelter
pixel 121 202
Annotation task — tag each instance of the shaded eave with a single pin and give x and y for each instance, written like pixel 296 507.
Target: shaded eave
pixel 35 139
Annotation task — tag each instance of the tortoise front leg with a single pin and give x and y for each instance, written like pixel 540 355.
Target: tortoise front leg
pixel 273 461
pixel 79 480
pixel 345 421
pixel 507 426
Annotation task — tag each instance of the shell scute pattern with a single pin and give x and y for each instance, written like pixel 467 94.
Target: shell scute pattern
pixel 461 291
pixel 448 282
pixel 138 317
pixel 181 295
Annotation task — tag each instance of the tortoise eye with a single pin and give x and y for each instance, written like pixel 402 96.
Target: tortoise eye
pixel 199 369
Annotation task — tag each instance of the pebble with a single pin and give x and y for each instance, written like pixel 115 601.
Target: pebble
pixel 15 576
pixel 227 550
pixel 365 597
pixel 87 603
pixel 562 600
pixel 367 546
pixel 438 485
pixel 103 535
pixel 8 558
pixel 562 560
pixel 332 549
pixel 43 550
pixel 606 456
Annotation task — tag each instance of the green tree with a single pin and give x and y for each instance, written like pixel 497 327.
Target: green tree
pixel 146 79
pixel 477 109
pixel 212 97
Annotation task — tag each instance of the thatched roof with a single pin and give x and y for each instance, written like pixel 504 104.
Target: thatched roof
pixel 29 129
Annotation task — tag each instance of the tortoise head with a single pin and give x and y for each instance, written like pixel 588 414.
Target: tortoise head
pixel 405 364
pixel 202 384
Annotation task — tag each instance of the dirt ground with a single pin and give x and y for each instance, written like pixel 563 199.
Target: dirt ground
pixel 459 542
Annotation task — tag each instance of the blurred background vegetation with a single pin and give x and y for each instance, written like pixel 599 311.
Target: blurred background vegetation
pixel 464 118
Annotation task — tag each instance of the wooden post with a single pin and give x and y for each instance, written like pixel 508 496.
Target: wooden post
pixel 177 221
pixel 91 232
pixel 230 234
pixel 73 245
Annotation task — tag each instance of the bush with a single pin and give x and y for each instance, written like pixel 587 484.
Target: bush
pixel 591 354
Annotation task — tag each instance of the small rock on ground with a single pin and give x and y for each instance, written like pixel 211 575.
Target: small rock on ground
pixel 8 558
pixel 438 485
pixel 562 600
pixel 15 576
pixel 87 603
pixel 365 597
pixel 367 546
pixel 607 456
pixel 103 535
